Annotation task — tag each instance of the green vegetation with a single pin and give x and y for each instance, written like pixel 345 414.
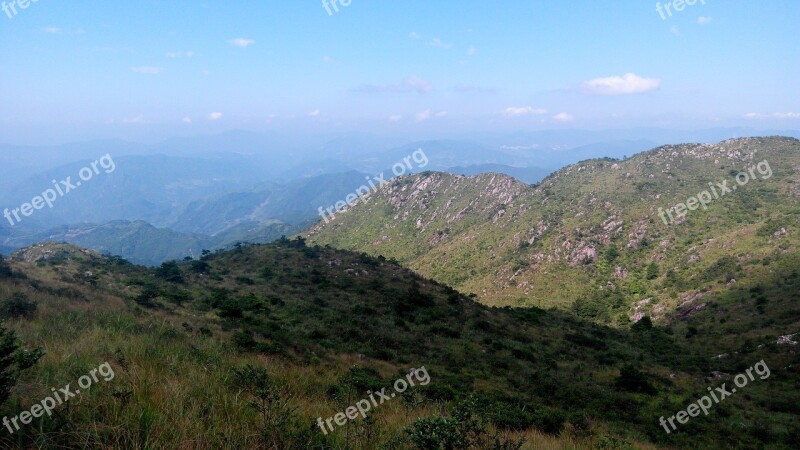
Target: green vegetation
pixel 206 360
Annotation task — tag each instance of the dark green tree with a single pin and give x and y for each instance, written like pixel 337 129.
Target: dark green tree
pixel 13 360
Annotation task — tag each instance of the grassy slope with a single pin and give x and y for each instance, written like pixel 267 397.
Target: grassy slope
pixel 586 237
pixel 312 317
pixel 310 320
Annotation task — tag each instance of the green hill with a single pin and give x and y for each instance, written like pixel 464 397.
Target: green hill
pixel 590 237
pixel 247 348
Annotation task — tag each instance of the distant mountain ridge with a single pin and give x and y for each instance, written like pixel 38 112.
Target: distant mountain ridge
pixel 590 234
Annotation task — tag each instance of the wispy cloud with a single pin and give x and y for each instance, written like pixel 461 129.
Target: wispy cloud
pixel 471 51
pixel 704 20
pixel 133 120
pixel 186 120
pixel 52 30
pixel 563 117
pixel 629 83
pixel 215 116
pixel 414 35
pixel 314 113
pixel 241 42
pixel 675 30
pixel 470 89
pixel 395 118
pixel 410 84
pixel 438 43
pixel 147 70
pixel 188 54
pixel 517 111
pixel 441 114
pixel 422 116
pixel 775 115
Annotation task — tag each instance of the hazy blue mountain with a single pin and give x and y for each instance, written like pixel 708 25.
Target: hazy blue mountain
pixel 292 203
pixel 153 188
pixel 136 241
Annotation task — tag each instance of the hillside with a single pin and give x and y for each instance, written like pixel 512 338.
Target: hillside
pixel 189 343
pixel 590 236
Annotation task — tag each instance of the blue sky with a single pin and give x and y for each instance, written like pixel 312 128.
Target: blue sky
pixel 82 68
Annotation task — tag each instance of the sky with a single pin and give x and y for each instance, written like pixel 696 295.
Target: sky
pixel 98 69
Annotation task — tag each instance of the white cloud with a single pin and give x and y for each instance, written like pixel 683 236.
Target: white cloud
pixel 418 84
pixel 52 30
pixel 241 42
pixel 133 120
pixel 314 113
pixel 704 20
pixel 215 116
pixel 516 111
pixel 776 115
pixel 180 54
pixel 411 84
pixel 423 115
pixel 395 118
pixel 187 120
pixel 327 59
pixel 148 70
pixel 675 30
pixel 414 35
pixel 629 83
pixel 563 117
pixel 438 43
pixel 441 114
pixel 471 51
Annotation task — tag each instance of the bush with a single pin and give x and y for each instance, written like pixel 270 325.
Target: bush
pixel 17 306
pixel 244 341
pixel 200 267
pixel 550 421
pixel 13 359
pixel 644 324
pixel 149 293
pixel 465 428
pixel 169 271
pixel 632 379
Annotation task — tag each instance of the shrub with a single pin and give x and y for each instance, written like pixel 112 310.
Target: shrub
pixel 13 360
pixel 465 428
pixel 644 324
pixel 200 267
pixel 17 306
pixel 632 379
pixel 148 294
pixel 548 420
pixel 244 341
pixel 169 271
